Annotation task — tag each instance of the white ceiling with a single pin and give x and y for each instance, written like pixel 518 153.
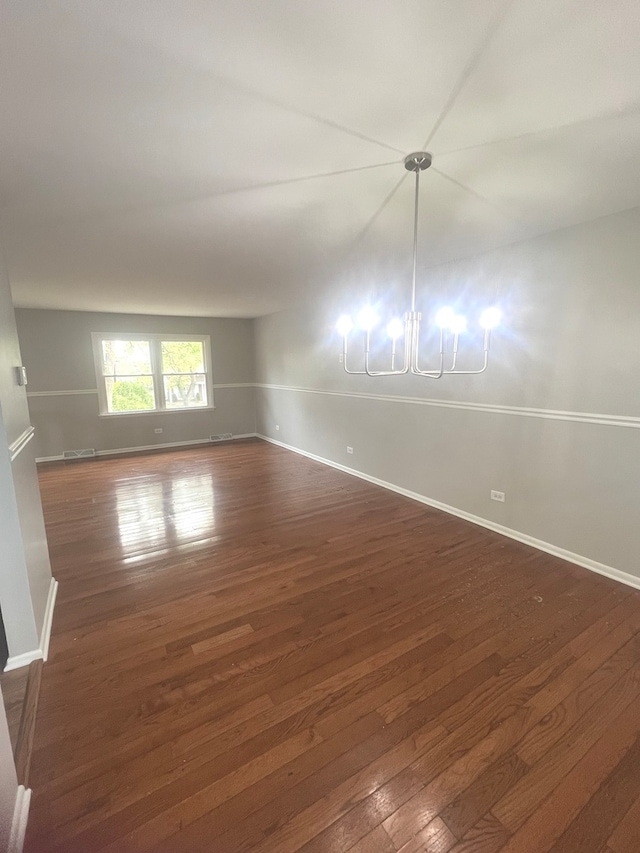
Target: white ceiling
pixel 225 157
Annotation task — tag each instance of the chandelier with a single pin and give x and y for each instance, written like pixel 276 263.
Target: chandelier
pixel 451 325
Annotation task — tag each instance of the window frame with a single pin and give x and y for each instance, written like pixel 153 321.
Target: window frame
pixel 155 340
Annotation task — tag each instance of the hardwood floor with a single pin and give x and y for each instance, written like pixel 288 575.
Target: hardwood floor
pixel 14 689
pixel 20 692
pixel 254 652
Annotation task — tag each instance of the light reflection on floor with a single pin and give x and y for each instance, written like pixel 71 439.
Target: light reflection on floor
pixel 155 515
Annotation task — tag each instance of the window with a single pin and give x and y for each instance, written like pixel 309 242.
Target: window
pixel 152 373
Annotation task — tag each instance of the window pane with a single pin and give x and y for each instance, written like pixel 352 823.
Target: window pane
pixel 182 357
pixel 185 391
pixel 129 393
pixel 125 358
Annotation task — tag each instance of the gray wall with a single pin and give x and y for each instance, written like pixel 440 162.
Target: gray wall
pixel 569 348
pixel 57 352
pixel 25 572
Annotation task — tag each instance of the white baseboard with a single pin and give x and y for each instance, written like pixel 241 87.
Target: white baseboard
pixel 541 545
pixel 143 447
pixel 42 652
pixel 20 818
pixel 45 635
pixel 17 661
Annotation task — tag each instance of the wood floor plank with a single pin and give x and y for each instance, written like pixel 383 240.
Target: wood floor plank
pixel 369 812
pixel 487 836
pixel 312 808
pixel 435 837
pixel 21 694
pixel 476 800
pixel 591 828
pixel 377 840
pixel 254 652
pixel 550 819
pixel 264 806
pixel 625 838
pixel 525 797
pixel 169 806
pixel 562 718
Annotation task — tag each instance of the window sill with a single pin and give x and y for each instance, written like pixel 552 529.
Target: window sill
pixel 156 412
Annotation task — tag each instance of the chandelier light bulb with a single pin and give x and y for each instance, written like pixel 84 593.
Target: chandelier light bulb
pixel 490 318
pixel 445 317
pixel 344 325
pixel 458 324
pixel 395 329
pixel 367 318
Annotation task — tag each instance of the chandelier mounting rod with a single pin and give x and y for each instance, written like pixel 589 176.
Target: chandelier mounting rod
pixel 416 162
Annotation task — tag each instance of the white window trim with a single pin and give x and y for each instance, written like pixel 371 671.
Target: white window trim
pixel 155 340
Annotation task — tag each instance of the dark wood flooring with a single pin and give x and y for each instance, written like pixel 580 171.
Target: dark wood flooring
pixel 254 652
pixel 14 689
pixel 20 693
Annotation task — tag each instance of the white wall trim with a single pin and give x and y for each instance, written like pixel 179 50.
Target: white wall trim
pixel 18 661
pixel 541 545
pixel 45 635
pixel 20 443
pixel 20 818
pixel 628 421
pixel 118 450
pixel 95 390
pixel 155 412
pixel 235 385
pixel 61 393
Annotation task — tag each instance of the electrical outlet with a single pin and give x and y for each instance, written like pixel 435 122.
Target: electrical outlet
pixel 349 449
pixel 277 427
pixel 158 431
pixel 497 496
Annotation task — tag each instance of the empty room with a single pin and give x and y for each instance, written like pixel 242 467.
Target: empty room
pixel 319 432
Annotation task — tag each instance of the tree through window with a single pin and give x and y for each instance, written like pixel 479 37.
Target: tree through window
pixel 147 373
pixel 183 374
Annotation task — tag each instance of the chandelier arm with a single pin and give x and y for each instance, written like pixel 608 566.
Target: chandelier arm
pixel 429 374
pixel 415 368
pixel 487 345
pixel 455 353
pixel 386 372
pixel 391 372
pixel 393 354
pixel 344 360
pixel 471 372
